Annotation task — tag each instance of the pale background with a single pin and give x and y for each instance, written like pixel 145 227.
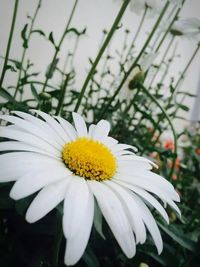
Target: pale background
pixel 95 15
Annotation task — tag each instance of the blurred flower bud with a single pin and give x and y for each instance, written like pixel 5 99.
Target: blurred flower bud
pixel 137 80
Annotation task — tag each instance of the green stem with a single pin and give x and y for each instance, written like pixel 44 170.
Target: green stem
pixel 101 51
pixel 162 61
pixel 26 47
pixel 168 64
pixel 58 239
pixel 9 42
pixel 126 110
pixel 62 94
pixel 136 60
pixel 136 34
pixel 174 91
pixel 170 123
pixel 60 43
pixel 187 67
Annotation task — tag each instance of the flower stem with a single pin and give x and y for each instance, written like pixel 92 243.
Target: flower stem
pixel 135 61
pixel 101 51
pixel 170 123
pixel 60 43
pixel 25 48
pixel 9 42
pixel 162 60
pixel 136 34
pixel 62 94
pixel 58 239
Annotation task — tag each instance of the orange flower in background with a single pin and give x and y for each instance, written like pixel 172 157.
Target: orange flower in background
pixel 174 177
pixel 169 144
pixel 198 151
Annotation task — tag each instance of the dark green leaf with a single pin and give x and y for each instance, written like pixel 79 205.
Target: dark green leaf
pixel 90 258
pixel 178 236
pixel 34 92
pixel 38 31
pixel 24 37
pixel 51 39
pixel 51 68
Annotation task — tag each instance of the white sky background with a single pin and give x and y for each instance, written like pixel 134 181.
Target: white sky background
pixel 95 15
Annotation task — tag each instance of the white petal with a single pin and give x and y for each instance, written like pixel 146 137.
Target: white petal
pixel 20 146
pixel 54 125
pixel 101 130
pixel 132 209
pixel 30 128
pixel 91 130
pixel 150 179
pixel 129 167
pixel 120 147
pixel 109 142
pixel 113 211
pixel 40 124
pixel 150 224
pixel 150 199
pixel 135 158
pixel 46 200
pixel 33 181
pixel 77 245
pixel 75 205
pixel 151 188
pixel 16 164
pixel 80 125
pixel 68 128
pixel 28 139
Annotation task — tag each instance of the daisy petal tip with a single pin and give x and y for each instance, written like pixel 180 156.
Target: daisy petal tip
pixel 14 194
pixel 29 218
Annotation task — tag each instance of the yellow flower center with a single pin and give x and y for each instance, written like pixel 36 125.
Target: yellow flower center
pixel 89 159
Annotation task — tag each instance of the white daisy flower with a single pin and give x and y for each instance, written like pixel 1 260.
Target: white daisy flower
pixel 79 165
pixel 190 28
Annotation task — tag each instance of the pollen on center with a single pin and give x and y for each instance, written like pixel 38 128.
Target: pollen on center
pixel 89 159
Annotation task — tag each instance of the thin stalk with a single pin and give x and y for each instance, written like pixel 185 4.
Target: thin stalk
pixel 177 84
pixel 25 48
pixel 9 43
pixel 187 67
pixel 136 60
pixel 162 60
pixel 101 51
pixel 126 110
pixel 62 94
pixel 41 83
pixel 146 91
pixel 136 34
pixel 60 43
pixel 168 64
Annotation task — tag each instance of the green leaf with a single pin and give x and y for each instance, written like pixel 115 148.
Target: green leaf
pixel 23 35
pixel 51 68
pixel 51 38
pixel 34 92
pixel 178 236
pixel 183 107
pixel 38 31
pixel 7 95
pixel 90 258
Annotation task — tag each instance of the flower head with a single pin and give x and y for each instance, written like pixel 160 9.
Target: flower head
pixel 77 165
